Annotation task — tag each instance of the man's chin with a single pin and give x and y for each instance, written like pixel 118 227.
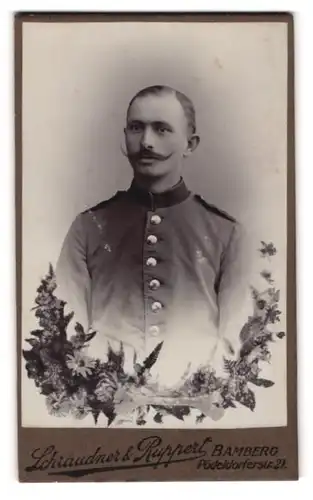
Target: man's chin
pixel 152 168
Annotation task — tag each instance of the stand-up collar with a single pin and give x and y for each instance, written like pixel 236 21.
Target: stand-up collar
pixel 173 196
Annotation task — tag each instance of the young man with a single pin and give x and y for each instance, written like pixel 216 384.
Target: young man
pixel 156 262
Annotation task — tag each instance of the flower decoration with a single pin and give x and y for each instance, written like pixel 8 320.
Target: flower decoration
pixel 79 404
pixel 267 249
pixel 80 364
pixel 106 387
pixel 58 405
pixel 76 384
pixel 267 275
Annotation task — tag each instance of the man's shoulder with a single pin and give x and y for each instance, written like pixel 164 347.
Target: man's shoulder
pixel 93 217
pixel 103 204
pixel 213 209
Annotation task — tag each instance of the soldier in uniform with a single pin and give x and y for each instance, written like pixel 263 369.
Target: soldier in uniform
pixel 157 262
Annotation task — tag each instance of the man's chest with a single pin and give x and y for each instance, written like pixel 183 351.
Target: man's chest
pixel 151 244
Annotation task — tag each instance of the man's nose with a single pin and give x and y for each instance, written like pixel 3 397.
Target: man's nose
pixel 147 139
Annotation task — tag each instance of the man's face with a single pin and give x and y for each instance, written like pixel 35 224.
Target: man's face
pixel 156 135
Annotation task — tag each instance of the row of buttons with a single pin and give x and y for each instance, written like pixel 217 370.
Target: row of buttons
pixel 154 284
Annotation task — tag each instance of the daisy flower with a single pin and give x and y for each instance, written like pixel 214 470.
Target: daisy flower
pixel 80 364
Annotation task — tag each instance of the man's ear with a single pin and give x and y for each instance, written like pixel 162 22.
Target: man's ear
pixel 193 143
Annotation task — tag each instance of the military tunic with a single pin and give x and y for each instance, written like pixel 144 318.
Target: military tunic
pixel 142 268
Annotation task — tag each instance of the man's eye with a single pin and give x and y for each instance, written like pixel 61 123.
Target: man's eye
pixel 134 127
pixel 162 130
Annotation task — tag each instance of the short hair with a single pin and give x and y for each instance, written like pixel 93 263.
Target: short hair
pixel 185 102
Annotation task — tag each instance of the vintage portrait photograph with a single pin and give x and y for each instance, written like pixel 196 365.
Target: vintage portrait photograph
pixel 154 224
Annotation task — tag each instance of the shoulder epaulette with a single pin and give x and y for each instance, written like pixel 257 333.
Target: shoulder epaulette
pixel 214 209
pixel 103 204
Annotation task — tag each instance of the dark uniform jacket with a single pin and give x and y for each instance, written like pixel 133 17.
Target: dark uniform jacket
pixel 144 268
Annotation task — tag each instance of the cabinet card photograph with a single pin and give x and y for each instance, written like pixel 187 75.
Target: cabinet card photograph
pixel 155 233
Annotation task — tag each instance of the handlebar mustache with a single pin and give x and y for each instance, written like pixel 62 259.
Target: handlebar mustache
pixel 148 154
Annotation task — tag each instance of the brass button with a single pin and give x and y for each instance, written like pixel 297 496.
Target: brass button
pixel 154 330
pixel 151 262
pixel 152 239
pixel 154 284
pixel 156 306
pixel 155 219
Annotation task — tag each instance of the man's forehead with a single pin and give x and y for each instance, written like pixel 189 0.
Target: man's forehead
pixel 157 107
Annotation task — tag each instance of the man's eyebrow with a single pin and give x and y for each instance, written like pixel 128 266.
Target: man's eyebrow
pixel 161 123
pixel 158 123
pixel 135 121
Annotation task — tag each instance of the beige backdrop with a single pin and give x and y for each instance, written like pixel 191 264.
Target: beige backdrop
pixel 77 82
